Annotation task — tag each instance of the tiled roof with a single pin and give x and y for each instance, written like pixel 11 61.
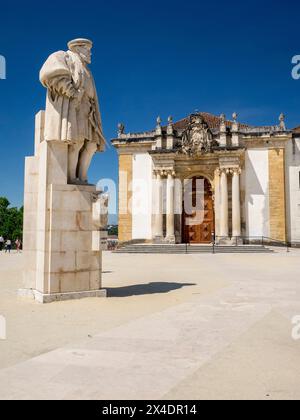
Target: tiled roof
pixel 297 129
pixel 212 121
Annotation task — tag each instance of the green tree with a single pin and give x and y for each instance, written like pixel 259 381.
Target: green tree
pixel 11 220
pixel 113 231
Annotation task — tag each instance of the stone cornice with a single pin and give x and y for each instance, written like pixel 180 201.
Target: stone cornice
pixel 267 141
pixel 137 142
pixel 164 172
pixel 234 152
pixel 136 136
pixel 127 148
pixel 164 162
pixel 231 162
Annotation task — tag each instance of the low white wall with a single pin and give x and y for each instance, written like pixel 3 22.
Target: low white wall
pixel 142 196
pixel 293 190
pixel 257 193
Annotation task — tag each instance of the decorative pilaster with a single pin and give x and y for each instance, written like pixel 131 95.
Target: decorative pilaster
pixel 224 227
pixel 277 194
pixel 236 203
pixel 125 197
pixel 170 237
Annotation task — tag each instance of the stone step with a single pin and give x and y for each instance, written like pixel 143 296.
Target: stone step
pixel 190 253
pixel 182 249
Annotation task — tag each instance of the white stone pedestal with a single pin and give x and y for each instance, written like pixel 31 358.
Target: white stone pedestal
pixel 62 229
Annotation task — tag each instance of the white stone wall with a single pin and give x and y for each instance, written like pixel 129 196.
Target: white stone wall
pixel 257 193
pixel 293 190
pixel 142 196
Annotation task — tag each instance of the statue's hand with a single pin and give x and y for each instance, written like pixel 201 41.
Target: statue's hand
pixel 60 86
pixel 70 91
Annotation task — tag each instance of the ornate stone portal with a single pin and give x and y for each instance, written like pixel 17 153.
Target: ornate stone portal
pixel 217 214
pixel 243 196
pixel 65 219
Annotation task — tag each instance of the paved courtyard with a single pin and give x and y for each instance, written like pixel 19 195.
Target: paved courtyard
pixel 173 327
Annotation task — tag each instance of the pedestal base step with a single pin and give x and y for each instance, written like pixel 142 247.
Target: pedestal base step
pixel 59 297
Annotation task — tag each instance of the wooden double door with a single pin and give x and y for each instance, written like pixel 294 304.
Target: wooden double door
pixel 198 227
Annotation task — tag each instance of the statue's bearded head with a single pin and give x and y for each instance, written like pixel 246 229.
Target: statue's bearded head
pixel 83 48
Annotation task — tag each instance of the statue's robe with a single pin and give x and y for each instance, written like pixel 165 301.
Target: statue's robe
pixel 72 107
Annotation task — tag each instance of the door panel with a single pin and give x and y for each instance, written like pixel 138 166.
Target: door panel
pixel 201 230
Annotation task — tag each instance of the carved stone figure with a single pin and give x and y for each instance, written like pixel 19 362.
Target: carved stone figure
pixel 121 129
pixel 72 108
pixel 197 138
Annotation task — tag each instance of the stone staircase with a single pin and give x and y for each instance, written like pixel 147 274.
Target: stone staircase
pixel 191 249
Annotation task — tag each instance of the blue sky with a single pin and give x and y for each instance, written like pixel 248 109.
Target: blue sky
pixel 150 58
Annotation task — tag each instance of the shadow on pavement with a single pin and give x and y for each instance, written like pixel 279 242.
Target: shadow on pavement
pixel 145 289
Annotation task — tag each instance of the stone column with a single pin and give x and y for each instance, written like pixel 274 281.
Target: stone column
pixel 158 228
pixel 170 208
pixel 236 203
pixel 224 229
pixel 217 202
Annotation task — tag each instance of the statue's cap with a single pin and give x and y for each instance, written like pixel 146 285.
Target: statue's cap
pixel 79 42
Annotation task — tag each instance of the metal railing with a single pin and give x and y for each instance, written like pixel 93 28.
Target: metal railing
pixel 239 241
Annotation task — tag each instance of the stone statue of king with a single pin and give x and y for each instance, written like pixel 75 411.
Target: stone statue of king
pixel 72 108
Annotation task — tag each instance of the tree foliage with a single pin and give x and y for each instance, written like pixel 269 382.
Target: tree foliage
pixel 113 231
pixel 11 220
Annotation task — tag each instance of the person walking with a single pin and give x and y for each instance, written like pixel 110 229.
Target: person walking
pixel 1 243
pixel 18 245
pixel 8 246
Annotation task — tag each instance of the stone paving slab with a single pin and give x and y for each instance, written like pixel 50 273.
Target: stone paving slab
pixel 145 358
pixel 241 331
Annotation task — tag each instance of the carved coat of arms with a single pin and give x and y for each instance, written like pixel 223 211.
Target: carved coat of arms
pixel 197 138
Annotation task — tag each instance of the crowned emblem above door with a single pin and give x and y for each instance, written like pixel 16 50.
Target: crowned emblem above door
pixel 197 139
